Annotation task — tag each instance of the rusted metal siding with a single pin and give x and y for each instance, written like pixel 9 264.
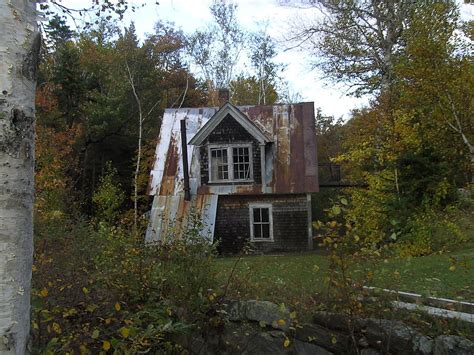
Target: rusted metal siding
pixel 171 217
pixel 290 160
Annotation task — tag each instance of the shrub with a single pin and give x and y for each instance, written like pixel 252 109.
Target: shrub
pixel 101 288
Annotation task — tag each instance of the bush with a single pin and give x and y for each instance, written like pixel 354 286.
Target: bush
pixel 100 287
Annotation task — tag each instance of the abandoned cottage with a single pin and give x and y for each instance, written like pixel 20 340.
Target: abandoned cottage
pixel 246 172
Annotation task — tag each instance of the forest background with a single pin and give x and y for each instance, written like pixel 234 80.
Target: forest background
pixel 100 95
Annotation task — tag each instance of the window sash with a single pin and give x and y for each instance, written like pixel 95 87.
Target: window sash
pixel 236 167
pixel 261 222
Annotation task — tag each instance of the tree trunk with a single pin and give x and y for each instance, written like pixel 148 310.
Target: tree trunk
pixel 19 48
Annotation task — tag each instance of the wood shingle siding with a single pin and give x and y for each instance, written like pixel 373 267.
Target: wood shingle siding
pixel 290 223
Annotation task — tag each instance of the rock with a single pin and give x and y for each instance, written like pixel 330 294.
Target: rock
pixel 266 343
pixel 303 348
pixel 263 312
pixel 397 337
pixel 340 322
pixel 331 340
pixel 331 320
pixel 451 344
pixel 369 351
pixel 362 342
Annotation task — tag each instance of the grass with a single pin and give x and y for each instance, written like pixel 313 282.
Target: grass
pixel 294 278
pixel 301 280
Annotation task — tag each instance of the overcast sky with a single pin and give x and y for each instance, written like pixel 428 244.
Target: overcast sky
pixel 190 15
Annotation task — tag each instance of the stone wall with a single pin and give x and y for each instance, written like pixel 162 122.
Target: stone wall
pixel 259 327
pixel 290 223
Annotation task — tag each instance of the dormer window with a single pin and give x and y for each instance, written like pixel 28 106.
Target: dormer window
pixel 229 163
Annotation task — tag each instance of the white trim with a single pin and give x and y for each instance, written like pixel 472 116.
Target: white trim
pixel 230 161
pixel 228 109
pixel 252 206
pixel 262 166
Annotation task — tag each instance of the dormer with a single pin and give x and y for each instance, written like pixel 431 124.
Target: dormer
pixel 231 147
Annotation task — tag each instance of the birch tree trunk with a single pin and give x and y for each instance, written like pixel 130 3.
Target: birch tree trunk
pixel 19 47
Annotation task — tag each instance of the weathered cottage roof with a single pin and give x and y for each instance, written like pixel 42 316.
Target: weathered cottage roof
pixel 292 165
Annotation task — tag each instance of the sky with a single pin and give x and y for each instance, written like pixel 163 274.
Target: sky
pixel 190 15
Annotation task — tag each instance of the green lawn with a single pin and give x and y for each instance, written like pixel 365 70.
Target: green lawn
pixel 301 279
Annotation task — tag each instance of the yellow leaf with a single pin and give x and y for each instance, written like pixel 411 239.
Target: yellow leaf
pixel 95 334
pixel 44 292
pixel 286 343
pixel 83 349
pixel 333 340
pixel 452 268
pixel 117 306
pixel 281 322
pixel 106 345
pixel 211 297
pixel 293 315
pixel 85 290
pixel 57 328
pixel 125 332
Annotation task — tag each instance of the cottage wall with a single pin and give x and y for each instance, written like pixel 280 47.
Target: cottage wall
pixel 227 132
pixel 290 223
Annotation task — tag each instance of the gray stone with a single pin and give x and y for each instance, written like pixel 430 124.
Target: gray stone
pixel 303 348
pixel 331 320
pixel 331 340
pixel 362 342
pixel 451 344
pixel 397 337
pixel 369 351
pixel 266 343
pixel 263 312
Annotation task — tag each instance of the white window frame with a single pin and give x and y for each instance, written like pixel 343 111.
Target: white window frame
pixel 230 161
pixel 253 206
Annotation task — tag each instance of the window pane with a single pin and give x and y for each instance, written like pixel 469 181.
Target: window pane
pixel 257 231
pixel 265 215
pixel 265 230
pixel 256 215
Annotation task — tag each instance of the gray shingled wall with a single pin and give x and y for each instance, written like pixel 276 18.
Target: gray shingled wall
pixel 290 223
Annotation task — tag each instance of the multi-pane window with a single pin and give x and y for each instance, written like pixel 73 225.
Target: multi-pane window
pixel 241 159
pixel 261 222
pixel 230 163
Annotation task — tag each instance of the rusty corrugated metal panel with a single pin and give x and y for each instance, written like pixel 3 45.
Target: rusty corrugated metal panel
pixel 290 127
pixel 170 216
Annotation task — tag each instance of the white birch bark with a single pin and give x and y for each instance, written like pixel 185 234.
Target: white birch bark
pixel 19 47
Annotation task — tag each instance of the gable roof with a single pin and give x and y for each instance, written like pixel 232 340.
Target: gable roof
pixel 241 118
pixel 292 164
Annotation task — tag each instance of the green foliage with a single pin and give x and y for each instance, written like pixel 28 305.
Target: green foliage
pixel 100 288
pixel 429 230
pixel 247 91
pixel 109 196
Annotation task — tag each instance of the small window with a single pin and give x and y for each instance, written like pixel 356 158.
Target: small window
pixel 261 223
